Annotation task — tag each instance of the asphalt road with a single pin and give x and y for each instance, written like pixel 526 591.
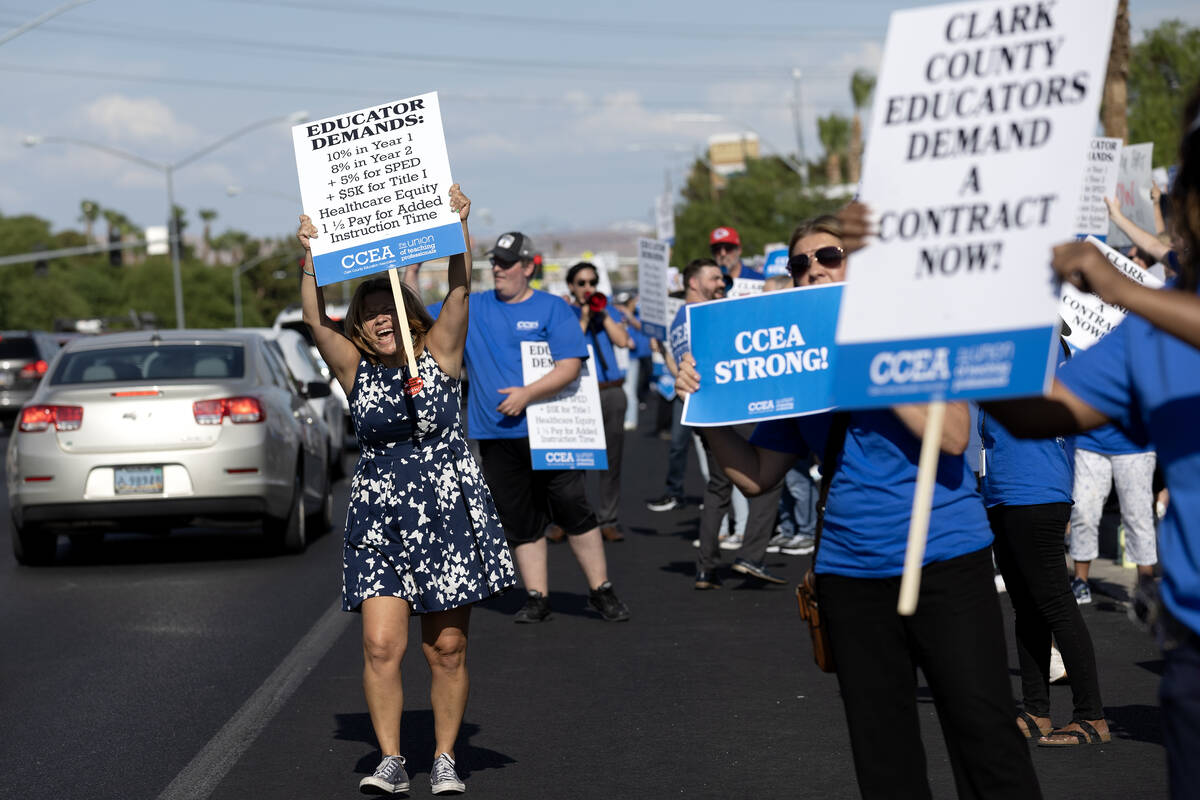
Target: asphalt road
pixel 200 665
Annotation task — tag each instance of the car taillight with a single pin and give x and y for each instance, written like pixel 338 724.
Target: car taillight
pixel 40 418
pixel 34 369
pixel 238 409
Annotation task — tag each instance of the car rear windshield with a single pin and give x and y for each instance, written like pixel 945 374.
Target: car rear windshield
pixel 12 347
pixel 187 362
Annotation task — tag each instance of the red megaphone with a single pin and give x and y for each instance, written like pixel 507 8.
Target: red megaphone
pixel 597 302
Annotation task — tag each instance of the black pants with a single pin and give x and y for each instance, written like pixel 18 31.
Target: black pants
pixel 956 637
pixel 762 512
pixel 1179 695
pixel 1029 552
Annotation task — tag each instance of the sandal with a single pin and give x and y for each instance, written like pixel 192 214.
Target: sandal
pixel 1086 733
pixel 1028 723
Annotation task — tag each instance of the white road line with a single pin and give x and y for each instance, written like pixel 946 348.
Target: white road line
pixel 200 777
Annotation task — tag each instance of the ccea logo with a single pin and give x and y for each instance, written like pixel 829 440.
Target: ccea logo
pixel 555 457
pixel 364 257
pixel 911 366
pixel 527 325
pixel 760 407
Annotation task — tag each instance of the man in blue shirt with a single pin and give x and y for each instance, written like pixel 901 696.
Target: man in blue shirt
pixel 726 248
pixel 703 282
pixel 527 500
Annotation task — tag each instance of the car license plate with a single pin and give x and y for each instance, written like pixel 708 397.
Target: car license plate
pixel 138 480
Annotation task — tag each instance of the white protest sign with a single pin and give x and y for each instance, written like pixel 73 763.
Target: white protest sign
pixel 745 287
pixel 606 263
pixel 157 243
pixel 652 287
pixel 565 431
pixel 664 218
pixel 376 183
pixel 973 168
pixel 1133 191
pixel 1090 318
pixel 1099 182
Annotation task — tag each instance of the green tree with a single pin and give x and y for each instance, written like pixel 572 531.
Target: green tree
pixel 89 212
pixel 862 84
pixel 1164 68
pixel 765 203
pixel 834 132
pixel 207 215
pixel 1114 101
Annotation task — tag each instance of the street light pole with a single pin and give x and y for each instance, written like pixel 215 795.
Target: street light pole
pixel 238 272
pixel 168 170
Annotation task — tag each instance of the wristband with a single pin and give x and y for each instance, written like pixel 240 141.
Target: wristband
pixel 306 272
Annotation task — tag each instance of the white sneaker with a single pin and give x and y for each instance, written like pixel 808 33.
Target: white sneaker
pixel 777 542
pixel 731 543
pixel 1058 670
pixel 389 777
pixel 443 778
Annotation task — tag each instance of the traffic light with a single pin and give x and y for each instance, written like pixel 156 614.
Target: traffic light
pixel 41 267
pixel 114 245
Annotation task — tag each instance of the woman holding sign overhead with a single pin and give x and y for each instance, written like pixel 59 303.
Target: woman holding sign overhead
pixel 869 463
pixel 422 533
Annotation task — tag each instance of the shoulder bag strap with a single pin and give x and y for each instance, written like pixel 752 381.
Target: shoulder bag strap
pixel 833 449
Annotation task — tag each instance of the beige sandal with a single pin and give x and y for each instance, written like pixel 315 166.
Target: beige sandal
pixel 1078 732
pixel 1028 723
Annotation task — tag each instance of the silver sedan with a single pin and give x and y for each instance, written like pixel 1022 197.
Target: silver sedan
pixel 149 430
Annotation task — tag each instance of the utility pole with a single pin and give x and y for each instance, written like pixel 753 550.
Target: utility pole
pixel 796 123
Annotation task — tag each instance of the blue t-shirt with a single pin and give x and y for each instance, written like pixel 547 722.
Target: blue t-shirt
pixel 641 341
pixel 679 335
pixel 1025 472
pixel 870 499
pixel 1148 383
pixel 1109 440
pixel 493 354
pixel 606 357
pixel 750 273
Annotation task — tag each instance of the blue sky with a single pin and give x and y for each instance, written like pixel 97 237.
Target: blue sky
pixel 558 115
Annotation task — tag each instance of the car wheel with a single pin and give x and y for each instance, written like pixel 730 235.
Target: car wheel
pixel 337 466
pixel 321 520
pixel 290 534
pixel 33 546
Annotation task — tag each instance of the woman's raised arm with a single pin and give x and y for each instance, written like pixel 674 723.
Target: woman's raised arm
pixel 339 352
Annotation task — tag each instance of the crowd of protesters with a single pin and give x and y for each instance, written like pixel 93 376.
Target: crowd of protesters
pixel 836 484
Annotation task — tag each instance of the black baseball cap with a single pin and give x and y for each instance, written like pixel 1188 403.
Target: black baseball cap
pixel 513 246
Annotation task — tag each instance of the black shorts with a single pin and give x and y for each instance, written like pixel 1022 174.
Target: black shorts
pixel 527 499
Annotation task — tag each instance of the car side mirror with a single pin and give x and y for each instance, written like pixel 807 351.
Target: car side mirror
pixel 314 390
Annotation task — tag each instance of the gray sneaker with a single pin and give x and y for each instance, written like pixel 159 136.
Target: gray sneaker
pixel 1081 590
pixel 443 778
pixel 777 541
pixel 389 777
pixel 798 545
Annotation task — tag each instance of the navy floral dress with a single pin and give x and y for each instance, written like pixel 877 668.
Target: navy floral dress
pixel 421 523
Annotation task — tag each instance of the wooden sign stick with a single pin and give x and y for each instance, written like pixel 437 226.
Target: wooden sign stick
pixel 414 384
pixel 918 526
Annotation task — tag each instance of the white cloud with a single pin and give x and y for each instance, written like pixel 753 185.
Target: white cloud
pixel 120 118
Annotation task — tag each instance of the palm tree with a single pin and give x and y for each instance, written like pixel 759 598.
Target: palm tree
pixel 834 132
pixel 90 211
pixel 208 215
pixel 1113 106
pixel 861 85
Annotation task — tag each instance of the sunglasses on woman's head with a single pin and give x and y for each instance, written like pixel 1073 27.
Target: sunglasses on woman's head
pixel 825 256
